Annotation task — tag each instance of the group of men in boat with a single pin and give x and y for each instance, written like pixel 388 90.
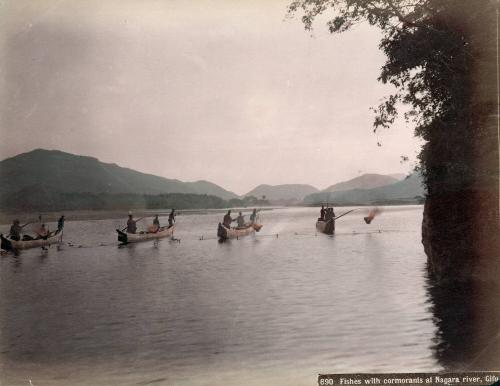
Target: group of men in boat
pixel 132 226
pixel 326 214
pixel 240 220
pixel 41 231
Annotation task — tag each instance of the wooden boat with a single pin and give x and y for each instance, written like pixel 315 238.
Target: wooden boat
pixel 125 238
pixel 326 227
pixel 235 233
pixel 16 245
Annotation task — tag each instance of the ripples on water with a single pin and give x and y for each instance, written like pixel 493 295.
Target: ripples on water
pixel 256 311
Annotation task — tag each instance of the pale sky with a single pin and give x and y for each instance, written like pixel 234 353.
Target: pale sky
pixel 222 90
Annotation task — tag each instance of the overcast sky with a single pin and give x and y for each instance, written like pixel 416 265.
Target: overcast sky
pixel 222 90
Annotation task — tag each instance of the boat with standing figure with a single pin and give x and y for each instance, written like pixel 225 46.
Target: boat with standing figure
pixel 27 242
pixel 326 226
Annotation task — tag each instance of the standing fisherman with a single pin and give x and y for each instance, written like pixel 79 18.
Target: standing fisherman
pixel 131 226
pixel 253 216
pixel 322 213
pixel 171 218
pixel 60 224
pixel 227 220
pixel 156 223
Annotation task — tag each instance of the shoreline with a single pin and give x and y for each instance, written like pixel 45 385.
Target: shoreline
pixel 90 215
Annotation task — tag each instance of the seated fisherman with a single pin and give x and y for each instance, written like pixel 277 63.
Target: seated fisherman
pixel 43 232
pixel 240 220
pixel 156 225
pixel 15 230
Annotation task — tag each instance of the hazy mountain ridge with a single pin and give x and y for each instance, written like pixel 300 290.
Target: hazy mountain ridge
pixel 52 175
pixel 283 192
pixel 69 173
pixel 365 181
pixel 408 190
pixel 398 176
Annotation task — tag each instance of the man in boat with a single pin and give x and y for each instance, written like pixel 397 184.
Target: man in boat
pixel 131 226
pixel 227 220
pixel 156 224
pixel 43 232
pixel 171 218
pixel 322 213
pixel 60 224
pixel 240 220
pixel 329 214
pixel 15 230
pixel 253 216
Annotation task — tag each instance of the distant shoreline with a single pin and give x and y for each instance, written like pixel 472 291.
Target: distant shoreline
pixel 88 215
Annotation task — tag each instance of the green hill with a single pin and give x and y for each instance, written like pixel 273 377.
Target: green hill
pixel 57 171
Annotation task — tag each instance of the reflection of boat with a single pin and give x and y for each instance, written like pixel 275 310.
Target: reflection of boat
pixel 327 227
pixel 234 233
pixel 14 245
pixel 125 238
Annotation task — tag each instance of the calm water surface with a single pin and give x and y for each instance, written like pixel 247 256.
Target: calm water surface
pixel 263 310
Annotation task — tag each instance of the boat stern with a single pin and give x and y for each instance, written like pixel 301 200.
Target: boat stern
pixel 257 227
pixel 122 237
pixel 6 244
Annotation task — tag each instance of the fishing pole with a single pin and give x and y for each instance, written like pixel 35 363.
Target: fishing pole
pixel 135 222
pixel 22 226
pixel 335 218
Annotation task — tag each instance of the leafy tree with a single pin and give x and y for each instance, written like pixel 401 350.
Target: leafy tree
pixel 440 57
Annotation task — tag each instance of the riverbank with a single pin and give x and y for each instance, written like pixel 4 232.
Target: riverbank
pixel 87 215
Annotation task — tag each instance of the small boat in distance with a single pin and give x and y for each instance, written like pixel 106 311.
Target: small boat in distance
pixel 125 238
pixel 224 233
pixel 327 227
pixel 8 244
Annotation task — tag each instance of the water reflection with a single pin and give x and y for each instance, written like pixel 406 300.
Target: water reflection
pixel 258 311
pixel 467 315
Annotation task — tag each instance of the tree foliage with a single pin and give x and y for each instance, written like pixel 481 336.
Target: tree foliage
pixel 429 63
pixel 50 200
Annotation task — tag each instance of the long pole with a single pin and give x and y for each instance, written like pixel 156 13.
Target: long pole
pixel 343 214
pixel 135 222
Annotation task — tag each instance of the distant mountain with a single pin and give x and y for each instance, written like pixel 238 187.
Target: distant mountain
pixel 406 191
pixel 365 181
pixel 398 176
pixel 57 171
pixel 283 192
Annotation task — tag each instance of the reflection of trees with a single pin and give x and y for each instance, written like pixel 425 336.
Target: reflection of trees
pixel 467 315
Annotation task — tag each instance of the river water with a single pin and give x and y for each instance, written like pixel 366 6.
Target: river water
pixel 262 310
